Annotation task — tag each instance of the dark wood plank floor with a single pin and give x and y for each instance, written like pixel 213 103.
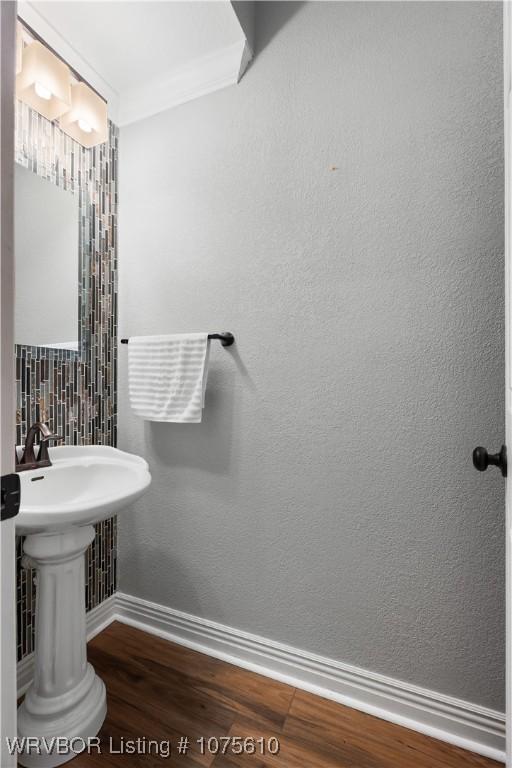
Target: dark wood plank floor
pixel 163 691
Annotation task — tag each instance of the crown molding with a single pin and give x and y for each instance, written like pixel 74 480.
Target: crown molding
pixel 202 76
pixel 247 56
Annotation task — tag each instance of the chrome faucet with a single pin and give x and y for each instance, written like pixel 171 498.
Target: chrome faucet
pixel 28 459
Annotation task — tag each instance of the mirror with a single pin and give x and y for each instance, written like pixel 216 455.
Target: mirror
pixel 47 261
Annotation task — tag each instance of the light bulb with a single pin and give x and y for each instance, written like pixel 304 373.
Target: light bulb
pixel 87 120
pixel 42 92
pixel 84 126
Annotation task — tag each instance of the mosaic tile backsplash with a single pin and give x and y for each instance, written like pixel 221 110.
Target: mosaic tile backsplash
pixel 75 392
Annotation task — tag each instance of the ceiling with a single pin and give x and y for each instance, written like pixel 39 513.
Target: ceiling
pixel 145 56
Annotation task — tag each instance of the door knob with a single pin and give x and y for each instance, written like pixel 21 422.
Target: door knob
pixel 482 459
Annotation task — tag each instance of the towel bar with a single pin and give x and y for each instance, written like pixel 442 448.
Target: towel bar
pixel 226 338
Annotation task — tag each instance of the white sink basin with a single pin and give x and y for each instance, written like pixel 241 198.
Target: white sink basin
pixel 84 485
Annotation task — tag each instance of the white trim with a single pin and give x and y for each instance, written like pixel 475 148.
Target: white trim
pixel 7 388
pixel 97 620
pixel 507 83
pixel 200 77
pixel 455 721
pixel 443 717
pixel 245 60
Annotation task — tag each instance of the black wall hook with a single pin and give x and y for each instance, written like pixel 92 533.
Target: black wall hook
pixel 226 338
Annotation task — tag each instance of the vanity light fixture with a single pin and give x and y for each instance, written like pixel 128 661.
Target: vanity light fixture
pixel 49 85
pixel 44 81
pixel 86 121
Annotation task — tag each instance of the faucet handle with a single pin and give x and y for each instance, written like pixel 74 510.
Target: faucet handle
pixel 43 447
pixel 50 436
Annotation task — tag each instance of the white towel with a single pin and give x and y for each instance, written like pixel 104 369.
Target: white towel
pixel 167 376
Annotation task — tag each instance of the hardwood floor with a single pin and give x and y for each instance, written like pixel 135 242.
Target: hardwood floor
pixel 161 691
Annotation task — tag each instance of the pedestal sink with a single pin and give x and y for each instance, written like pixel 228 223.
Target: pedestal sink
pixel 59 505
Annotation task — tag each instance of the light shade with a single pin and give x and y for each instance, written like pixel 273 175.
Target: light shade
pixel 86 121
pixel 43 82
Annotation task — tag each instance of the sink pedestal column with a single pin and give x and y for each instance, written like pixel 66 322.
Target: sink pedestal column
pixel 66 698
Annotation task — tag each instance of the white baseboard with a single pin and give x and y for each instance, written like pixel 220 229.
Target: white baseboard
pixel 96 620
pixel 458 722
pixel 455 721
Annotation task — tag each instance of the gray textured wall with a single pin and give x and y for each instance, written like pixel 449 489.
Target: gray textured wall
pixel 328 499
